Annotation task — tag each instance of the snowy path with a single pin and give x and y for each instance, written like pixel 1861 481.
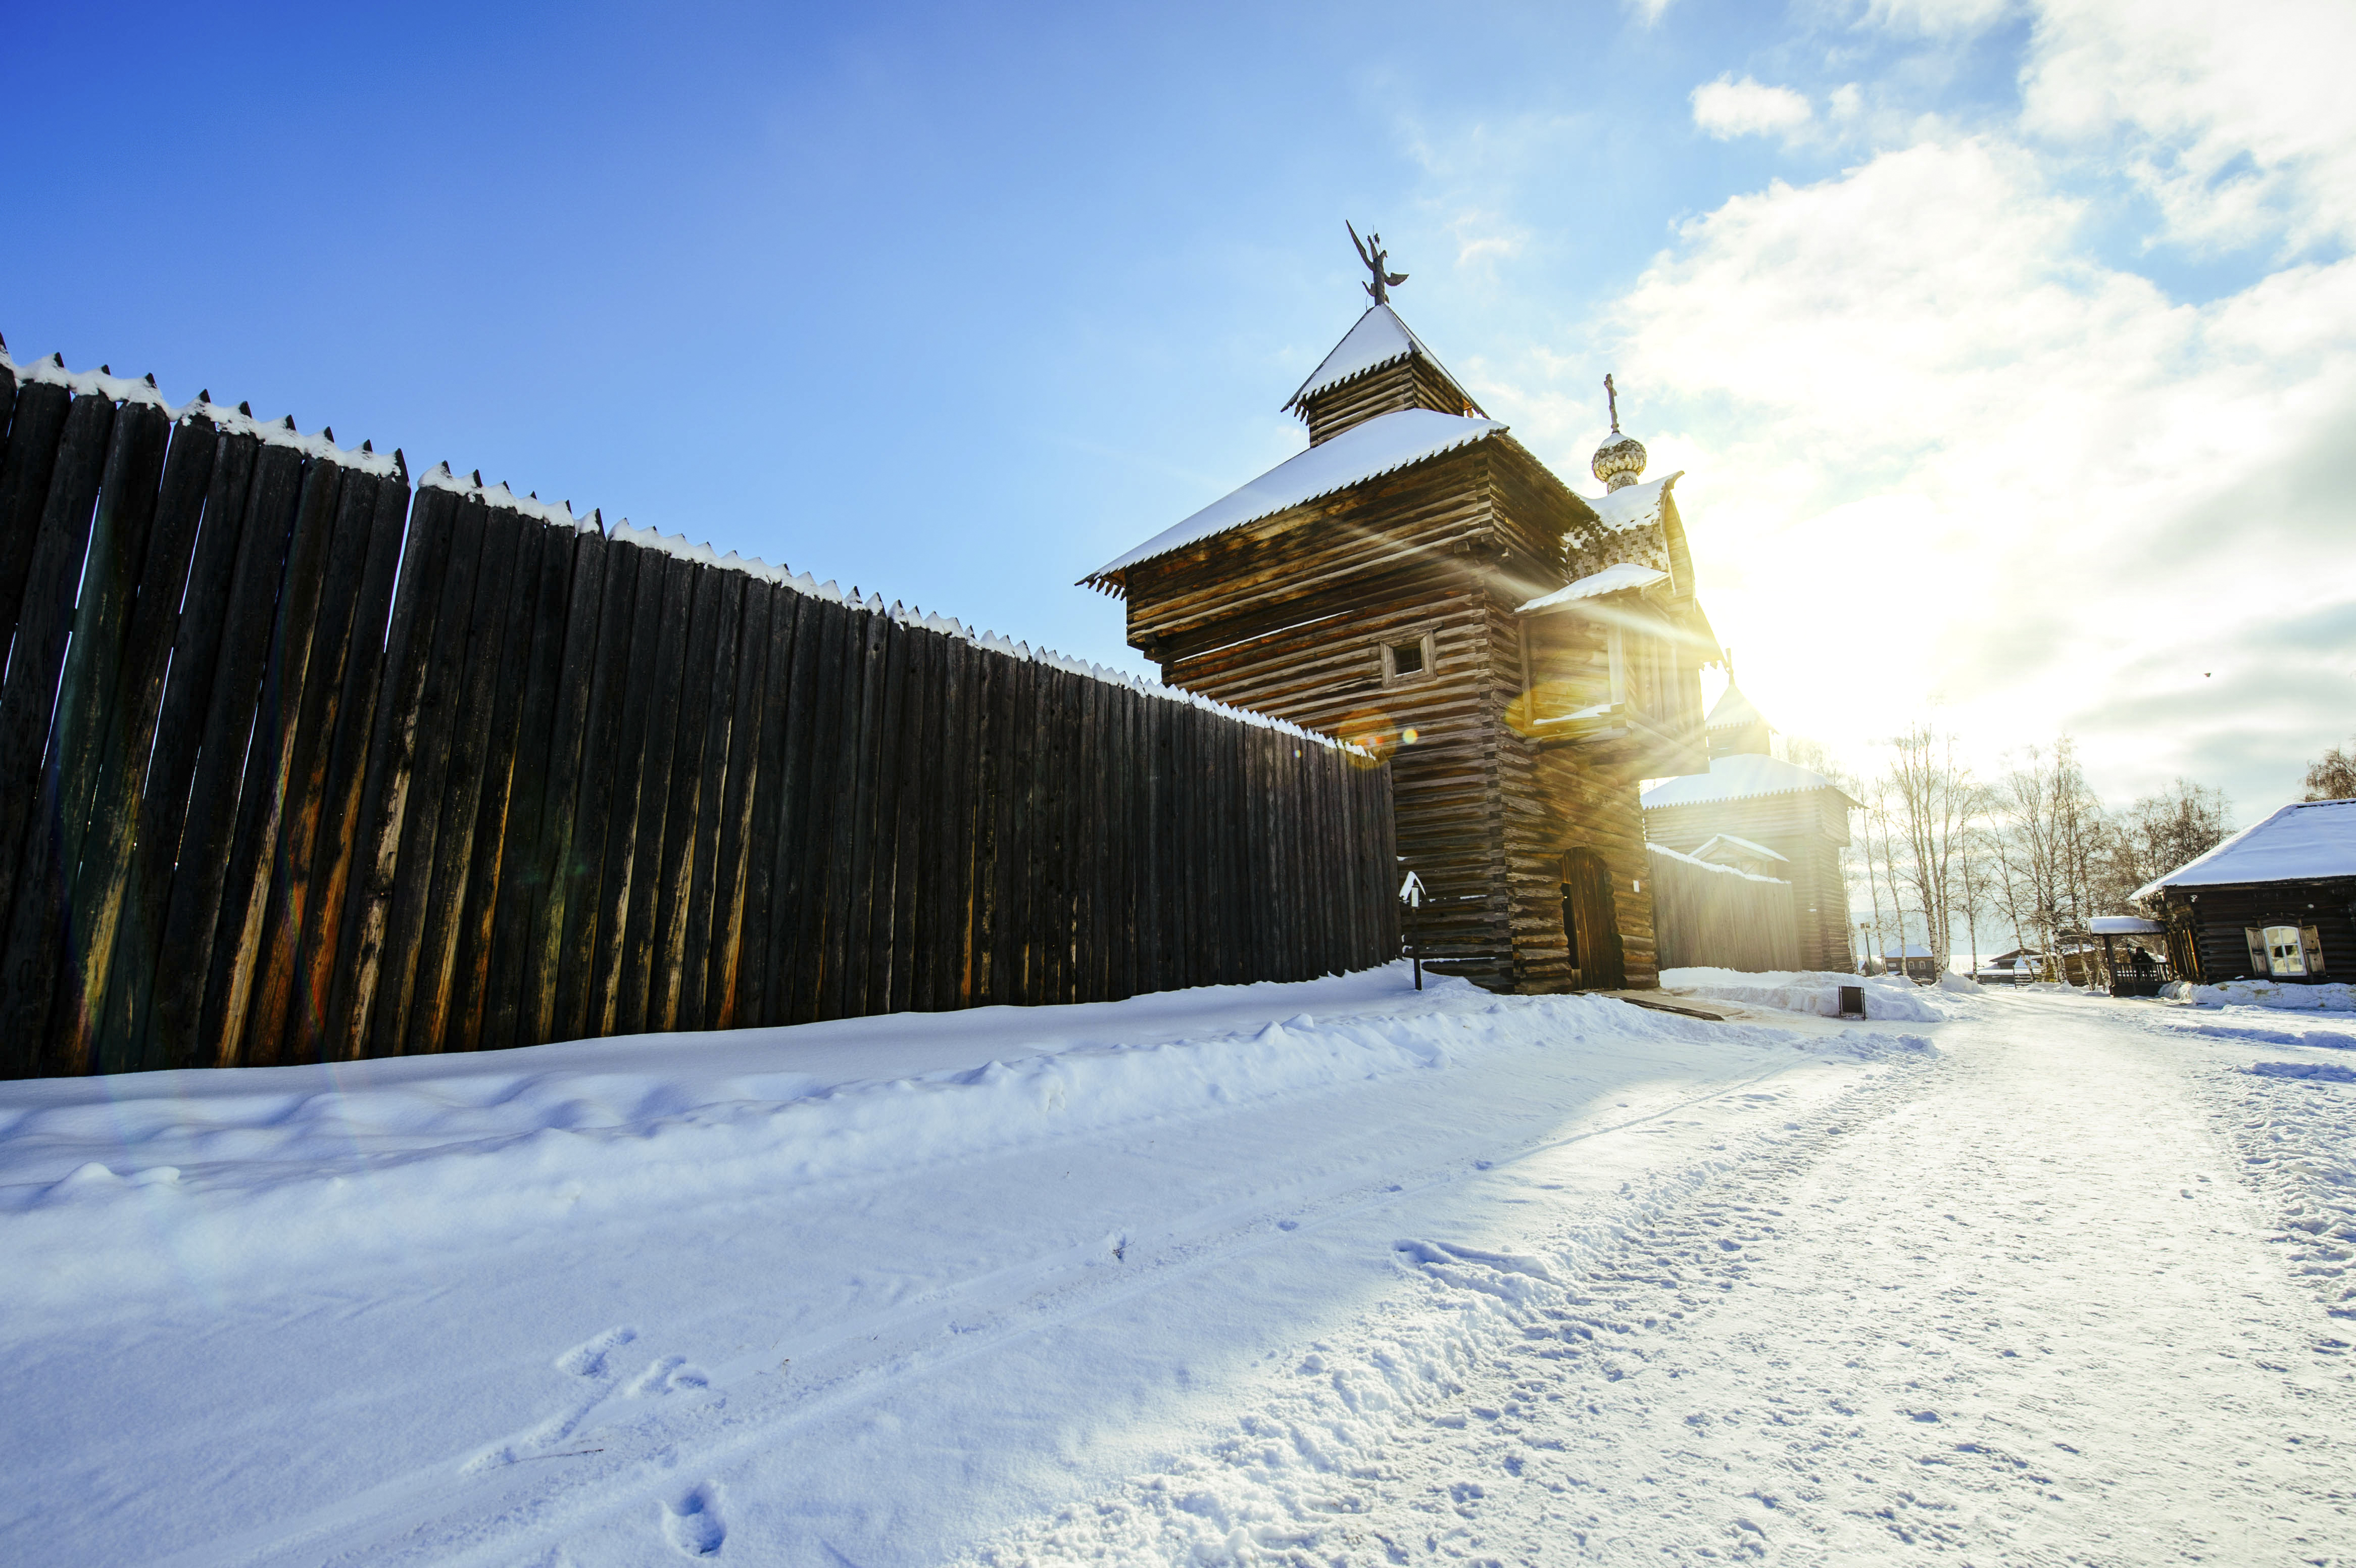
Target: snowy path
pixel 1544 1279
pixel 2011 1306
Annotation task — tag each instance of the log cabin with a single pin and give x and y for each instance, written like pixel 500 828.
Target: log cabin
pixel 2276 901
pixel 1746 800
pixel 1417 581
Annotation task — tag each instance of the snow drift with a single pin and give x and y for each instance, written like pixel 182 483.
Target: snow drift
pixel 1887 996
pixel 379 1156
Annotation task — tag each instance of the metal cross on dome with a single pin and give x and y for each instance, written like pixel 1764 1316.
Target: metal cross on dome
pixel 1371 252
pixel 1611 396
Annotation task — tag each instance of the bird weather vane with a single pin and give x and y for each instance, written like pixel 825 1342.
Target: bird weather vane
pixel 1371 252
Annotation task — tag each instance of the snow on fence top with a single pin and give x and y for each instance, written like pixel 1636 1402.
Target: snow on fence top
pixel 1667 853
pixel 2303 842
pixel 1379 338
pixel 1380 446
pixel 52 371
pixel 1738 777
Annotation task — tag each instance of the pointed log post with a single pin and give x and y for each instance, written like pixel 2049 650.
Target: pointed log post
pixel 108 855
pixel 39 932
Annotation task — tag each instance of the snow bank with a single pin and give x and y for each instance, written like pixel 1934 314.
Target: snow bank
pixel 345 1159
pixel 1887 996
pixel 2333 998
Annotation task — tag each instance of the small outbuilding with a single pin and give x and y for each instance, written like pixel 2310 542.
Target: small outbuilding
pixel 2272 902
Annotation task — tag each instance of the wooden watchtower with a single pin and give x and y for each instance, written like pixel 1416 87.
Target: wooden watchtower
pixel 1417 581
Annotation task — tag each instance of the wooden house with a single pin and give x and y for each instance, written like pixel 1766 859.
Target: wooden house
pixel 1752 798
pixel 1418 581
pixel 2272 902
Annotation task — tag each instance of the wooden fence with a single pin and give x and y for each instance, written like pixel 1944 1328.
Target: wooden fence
pixel 294 766
pixel 1720 917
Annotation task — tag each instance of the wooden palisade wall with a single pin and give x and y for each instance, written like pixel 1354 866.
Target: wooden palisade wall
pixel 298 767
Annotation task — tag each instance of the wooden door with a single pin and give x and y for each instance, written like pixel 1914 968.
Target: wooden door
pixel 1592 922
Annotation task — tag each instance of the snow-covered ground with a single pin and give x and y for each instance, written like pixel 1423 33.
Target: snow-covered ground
pixel 1320 1273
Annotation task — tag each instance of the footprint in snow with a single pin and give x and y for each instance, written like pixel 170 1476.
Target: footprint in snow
pixel 692 1525
pixel 667 1374
pixel 589 1362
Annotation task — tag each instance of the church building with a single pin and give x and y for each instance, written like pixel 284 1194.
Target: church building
pixel 1417 581
pixel 1753 810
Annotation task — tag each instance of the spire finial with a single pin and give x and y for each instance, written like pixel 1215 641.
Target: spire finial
pixel 1621 456
pixel 1371 252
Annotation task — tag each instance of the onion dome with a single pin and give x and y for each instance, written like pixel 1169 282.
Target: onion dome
pixel 1620 459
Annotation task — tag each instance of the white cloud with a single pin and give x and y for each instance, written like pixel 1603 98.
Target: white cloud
pixel 2237 121
pixel 1726 108
pixel 1936 18
pixel 1936 450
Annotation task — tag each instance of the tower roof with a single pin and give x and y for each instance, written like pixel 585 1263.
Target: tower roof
pixel 1733 711
pixel 1379 340
pixel 1378 446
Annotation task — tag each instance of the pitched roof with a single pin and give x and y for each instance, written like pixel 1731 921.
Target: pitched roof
pixel 1379 338
pixel 1733 711
pixel 1380 446
pixel 1739 845
pixel 2299 843
pixel 1618 578
pixel 1737 778
pixel 1631 506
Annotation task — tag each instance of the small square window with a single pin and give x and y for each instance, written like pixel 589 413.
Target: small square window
pixel 1410 658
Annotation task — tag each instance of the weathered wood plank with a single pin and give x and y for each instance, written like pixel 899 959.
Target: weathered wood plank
pixel 184 962
pixel 304 1028
pixel 109 851
pixel 526 868
pixel 358 950
pixel 41 928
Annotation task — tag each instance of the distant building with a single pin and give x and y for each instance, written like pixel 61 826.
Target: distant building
pixel 1750 807
pixel 2272 902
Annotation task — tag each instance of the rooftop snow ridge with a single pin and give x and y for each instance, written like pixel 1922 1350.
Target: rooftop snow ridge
pixel 52 371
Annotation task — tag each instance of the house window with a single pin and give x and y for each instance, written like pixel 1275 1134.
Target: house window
pixel 1410 659
pixel 2284 953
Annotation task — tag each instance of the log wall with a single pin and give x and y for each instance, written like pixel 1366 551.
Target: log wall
pixel 1808 828
pixel 1717 916
pixel 295 766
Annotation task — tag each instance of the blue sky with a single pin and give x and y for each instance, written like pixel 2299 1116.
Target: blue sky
pixel 956 304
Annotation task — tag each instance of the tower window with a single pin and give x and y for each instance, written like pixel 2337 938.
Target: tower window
pixel 1410 660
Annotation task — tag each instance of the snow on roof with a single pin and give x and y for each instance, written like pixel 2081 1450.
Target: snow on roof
pixel 1733 711
pixel 1744 845
pixel 1737 778
pixel 1362 452
pixel 2123 926
pixel 1379 338
pixel 1713 866
pixel 1631 506
pixel 2298 843
pixel 1614 579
